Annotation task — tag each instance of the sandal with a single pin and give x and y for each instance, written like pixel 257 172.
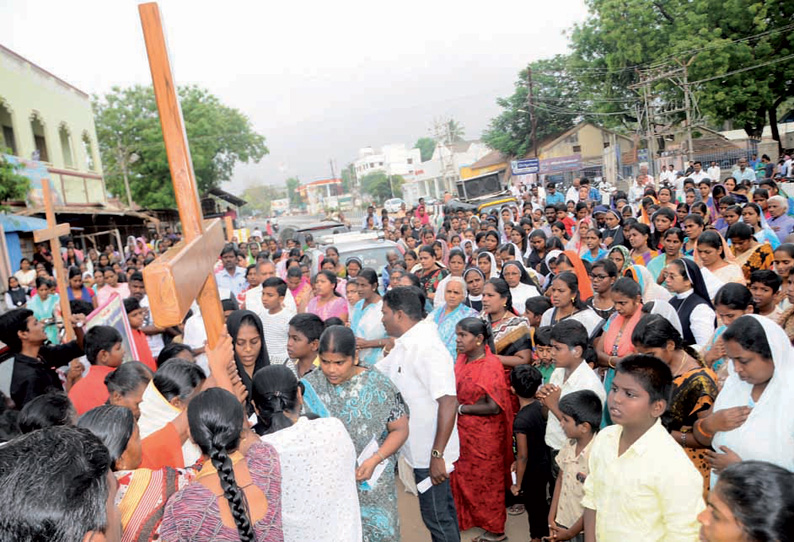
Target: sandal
pixel 516 510
pixel 490 537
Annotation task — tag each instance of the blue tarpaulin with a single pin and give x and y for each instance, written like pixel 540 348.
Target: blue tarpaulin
pixel 12 225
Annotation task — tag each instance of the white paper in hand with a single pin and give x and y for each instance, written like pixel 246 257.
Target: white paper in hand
pixel 369 450
pixel 425 484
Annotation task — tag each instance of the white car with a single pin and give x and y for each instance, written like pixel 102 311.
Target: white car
pixel 393 205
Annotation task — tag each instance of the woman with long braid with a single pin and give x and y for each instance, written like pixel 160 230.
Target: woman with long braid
pixel 237 493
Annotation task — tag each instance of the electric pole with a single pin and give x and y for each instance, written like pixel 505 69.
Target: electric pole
pixel 533 118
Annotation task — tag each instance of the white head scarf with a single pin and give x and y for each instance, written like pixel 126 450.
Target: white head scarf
pixel 494 271
pixel 768 434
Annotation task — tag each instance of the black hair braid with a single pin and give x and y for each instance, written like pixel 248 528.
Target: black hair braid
pixel 234 495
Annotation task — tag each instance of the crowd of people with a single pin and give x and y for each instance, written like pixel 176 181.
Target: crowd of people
pixel 615 371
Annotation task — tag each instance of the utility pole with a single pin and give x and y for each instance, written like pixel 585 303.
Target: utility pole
pixel 533 118
pixel 122 157
pixel 685 85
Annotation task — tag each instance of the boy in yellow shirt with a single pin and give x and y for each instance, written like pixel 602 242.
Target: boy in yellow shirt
pixel 642 485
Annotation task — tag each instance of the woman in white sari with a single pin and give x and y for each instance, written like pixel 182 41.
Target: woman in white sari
pixel 751 417
pixel 366 321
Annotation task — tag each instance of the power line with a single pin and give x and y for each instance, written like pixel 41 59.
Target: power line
pixel 563 111
pixel 741 70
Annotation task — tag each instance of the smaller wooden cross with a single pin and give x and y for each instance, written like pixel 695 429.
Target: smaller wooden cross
pixel 53 233
pixel 229 228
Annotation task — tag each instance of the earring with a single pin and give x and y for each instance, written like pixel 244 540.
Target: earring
pixel 573 300
pixel 478 343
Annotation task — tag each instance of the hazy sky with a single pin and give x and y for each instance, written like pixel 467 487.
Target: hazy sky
pixel 318 79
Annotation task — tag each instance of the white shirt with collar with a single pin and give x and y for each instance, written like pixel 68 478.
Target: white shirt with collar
pixel 701 321
pixel 422 369
pixel 582 378
pixel 714 173
pixel 698 176
pixel 572 194
pixel 253 301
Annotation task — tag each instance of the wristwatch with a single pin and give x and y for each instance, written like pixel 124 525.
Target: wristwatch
pixel 435 453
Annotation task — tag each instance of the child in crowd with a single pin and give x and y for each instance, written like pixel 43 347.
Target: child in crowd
pixel 104 351
pixel 569 343
pixel 351 294
pixel 535 307
pixel 154 335
pixel 135 318
pixel 543 360
pixel 275 318
pixel 638 462
pixel 765 285
pixel 532 468
pixel 581 418
pixel 303 343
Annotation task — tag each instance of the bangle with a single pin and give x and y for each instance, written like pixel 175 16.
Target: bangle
pixel 382 459
pixel 459 410
pixel 699 426
pixel 610 362
pixel 683 439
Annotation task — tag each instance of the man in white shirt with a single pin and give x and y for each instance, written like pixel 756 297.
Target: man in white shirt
pixel 253 297
pixel 573 192
pixel 422 369
pixel 714 172
pixel 698 174
pixel 742 172
pixel 232 276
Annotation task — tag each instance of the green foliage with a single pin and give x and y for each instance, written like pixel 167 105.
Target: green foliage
pixel 13 186
pixel 128 125
pixel 379 185
pixel 260 197
pixel 348 178
pixel 554 89
pixel 292 192
pixel 717 36
pixel 426 146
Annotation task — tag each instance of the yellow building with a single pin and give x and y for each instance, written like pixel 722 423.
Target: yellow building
pixel 44 118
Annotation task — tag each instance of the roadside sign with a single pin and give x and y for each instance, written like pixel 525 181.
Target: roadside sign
pixel 522 167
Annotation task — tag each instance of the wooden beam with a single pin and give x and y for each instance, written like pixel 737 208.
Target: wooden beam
pixel 60 230
pixel 52 234
pixel 177 277
pixel 229 228
pixel 180 164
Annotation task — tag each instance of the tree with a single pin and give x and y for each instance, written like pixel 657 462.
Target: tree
pixel 130 137
pixel 379 185
pixel 717 37
pixel 348 178
pixel 260 197
pixel 426 146
pixel 13 185
pixel 292 192
pixel 554 93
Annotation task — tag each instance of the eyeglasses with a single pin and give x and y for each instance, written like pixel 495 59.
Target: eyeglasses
pixel 598 277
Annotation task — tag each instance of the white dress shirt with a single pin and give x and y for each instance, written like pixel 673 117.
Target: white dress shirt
pixel 698 176
pixel 422 369
pixel 715 173
pixel 582 378
pixel 701 321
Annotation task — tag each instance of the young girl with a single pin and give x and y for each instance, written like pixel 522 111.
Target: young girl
pixel 595 251
pixel 672 241
pixel 732 301
pixel 639 238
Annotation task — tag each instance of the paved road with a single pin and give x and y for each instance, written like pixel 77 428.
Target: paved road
pixel 413 530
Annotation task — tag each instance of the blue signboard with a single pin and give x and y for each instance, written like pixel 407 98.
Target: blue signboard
pixel 522 167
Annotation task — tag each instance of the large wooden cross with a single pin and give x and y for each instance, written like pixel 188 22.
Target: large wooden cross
pixel 52 233
pixel 185 272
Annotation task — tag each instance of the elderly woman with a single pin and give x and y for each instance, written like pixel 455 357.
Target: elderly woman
pixel 447 316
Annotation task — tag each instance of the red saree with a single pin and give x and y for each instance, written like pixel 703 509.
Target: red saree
pixel 482 472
